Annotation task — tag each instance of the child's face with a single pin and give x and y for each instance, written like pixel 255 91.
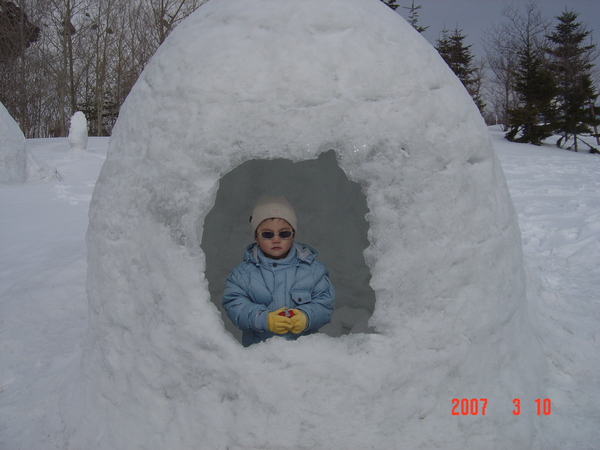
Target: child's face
pixel 276 247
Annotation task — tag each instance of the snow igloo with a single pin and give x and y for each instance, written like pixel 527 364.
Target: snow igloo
pixel 13 153
pixel 342 107
pixel 17 164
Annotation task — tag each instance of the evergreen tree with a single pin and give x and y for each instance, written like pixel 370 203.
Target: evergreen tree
pixel 413 17
pixel 451 48
pixel 571 61
pixel 533 117
pixel 391 3
pixel 522 31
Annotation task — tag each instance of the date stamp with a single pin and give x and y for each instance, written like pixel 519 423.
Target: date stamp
pixel 478 406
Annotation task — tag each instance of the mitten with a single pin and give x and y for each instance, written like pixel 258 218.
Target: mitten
pixel 298 321
pixel 278 324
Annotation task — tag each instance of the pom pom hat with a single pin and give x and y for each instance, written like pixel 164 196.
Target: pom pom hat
pixel 271 207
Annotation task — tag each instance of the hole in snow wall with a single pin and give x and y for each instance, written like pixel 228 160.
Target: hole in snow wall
pixel 331 214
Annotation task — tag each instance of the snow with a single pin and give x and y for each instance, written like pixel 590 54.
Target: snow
pixel 43 305
pixel 17 163
pixel 365 98
pixel 556 194
pixel 283 87
pixel 342 103
pixel 78 132
pixel 13 157
pixel 277 85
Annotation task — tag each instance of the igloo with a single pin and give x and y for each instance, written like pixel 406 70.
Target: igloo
pixel 344 108
pixel 13 156
pixel 17 164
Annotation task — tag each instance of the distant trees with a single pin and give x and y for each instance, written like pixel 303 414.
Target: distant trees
pixel 459 58
pixel 542 81
pixel 391 3
pixel 530 120
pixel 515 51
pixel 16 31
pixel 571 63
pixel 61 56
pixel 85 55
pixel 413 17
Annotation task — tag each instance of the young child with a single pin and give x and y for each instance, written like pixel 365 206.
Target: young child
pixel 279 288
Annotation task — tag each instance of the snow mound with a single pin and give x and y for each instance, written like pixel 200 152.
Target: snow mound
pixel 78 132
pixel 17 164
pixel 13 156
pixel 39 171
pixel 254 91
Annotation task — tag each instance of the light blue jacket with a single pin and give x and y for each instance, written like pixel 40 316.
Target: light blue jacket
pixel 260 284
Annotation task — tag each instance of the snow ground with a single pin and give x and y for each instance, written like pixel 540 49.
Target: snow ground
pixel 557 197
pixel 43 305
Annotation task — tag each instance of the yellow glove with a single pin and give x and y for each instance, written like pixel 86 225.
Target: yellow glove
pixel 298 321
pixel 279 324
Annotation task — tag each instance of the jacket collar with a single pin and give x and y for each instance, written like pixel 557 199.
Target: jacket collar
pixel 304 253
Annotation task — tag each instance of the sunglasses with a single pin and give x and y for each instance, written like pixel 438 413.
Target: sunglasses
pixel 282 234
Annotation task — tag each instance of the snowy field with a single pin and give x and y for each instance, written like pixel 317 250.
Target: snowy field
pixel 43 306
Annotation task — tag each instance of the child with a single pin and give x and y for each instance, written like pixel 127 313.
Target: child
pixel 279 288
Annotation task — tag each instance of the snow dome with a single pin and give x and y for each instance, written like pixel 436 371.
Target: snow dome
pixel 347 111
pixel 13 155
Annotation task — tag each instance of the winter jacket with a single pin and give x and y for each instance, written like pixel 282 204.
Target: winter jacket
pixel 260 285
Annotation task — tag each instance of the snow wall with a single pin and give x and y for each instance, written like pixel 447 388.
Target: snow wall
pixel 344 108
pixel 13 155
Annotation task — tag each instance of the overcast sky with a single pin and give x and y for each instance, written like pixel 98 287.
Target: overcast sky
pixel 475 17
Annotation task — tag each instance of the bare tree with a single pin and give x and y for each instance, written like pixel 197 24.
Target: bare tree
pixel 101 47
pixel 88 55
pixel 166 14
pixel 17 33
pixel 503 45
pixel 66 36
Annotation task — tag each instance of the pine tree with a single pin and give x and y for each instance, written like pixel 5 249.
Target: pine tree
pixel 533 118
pixel 571 61
pixel 413 17
pixel 522 31
pixel 391 3
pixel 451 48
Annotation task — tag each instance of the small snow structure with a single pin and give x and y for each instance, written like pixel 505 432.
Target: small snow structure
pixel 78 132
pixel 344 108
pixel 13 154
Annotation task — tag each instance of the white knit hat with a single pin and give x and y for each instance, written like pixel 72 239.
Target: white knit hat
pixel 271 207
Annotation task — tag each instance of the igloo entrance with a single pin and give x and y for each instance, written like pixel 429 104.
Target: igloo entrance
pixel 331 218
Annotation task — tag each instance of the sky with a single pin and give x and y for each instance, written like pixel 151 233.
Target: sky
pixel 475 17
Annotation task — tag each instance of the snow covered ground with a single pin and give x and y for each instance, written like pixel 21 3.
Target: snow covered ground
pixel 557 197
pixel 43 305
